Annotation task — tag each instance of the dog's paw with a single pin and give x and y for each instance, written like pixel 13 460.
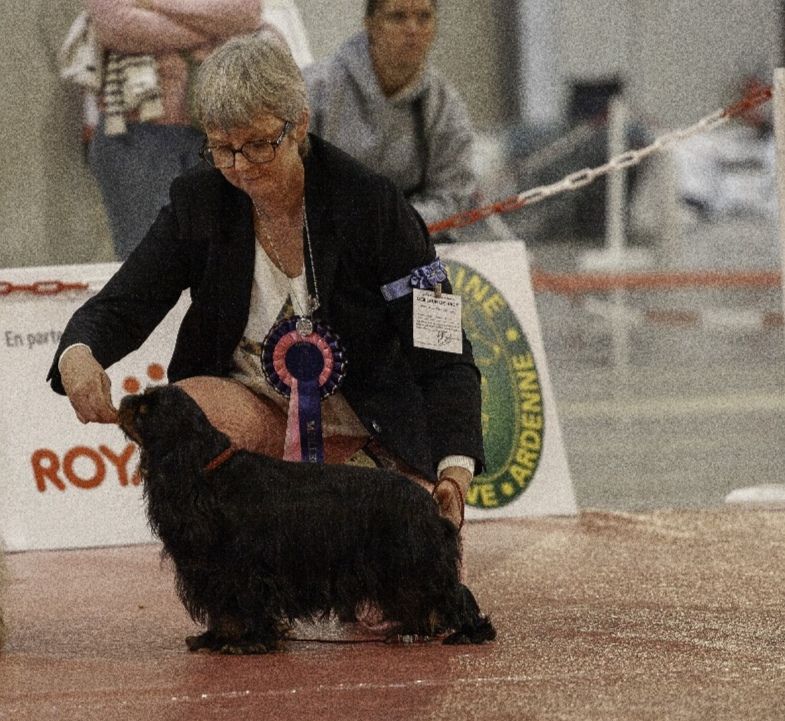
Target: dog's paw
pixel 407 638
pixel 478 633
pixel 247 648
pixel 204 642
pixel 209 642
pixel 457 638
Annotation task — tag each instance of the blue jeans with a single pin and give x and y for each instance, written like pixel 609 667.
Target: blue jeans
pixel 134 171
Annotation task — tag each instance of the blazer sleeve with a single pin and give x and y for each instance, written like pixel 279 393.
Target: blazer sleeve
pixel 121 316
pixel 449 382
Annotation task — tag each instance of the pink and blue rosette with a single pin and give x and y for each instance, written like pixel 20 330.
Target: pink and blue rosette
pixel 304 369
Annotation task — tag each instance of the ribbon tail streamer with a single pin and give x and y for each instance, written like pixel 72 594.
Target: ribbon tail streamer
pixel 309 404
pixel 304 440
pixel 292 450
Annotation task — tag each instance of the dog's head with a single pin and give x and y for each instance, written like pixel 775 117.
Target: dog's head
pixel 163 415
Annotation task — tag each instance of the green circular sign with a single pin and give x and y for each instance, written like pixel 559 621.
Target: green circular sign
pixel 512 404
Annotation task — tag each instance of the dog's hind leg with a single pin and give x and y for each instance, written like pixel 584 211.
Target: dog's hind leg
pixel 219 631
pixel 469 624
pixel 206 641
pixel 233 637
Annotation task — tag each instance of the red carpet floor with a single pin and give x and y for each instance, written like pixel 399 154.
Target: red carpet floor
pixel 665 615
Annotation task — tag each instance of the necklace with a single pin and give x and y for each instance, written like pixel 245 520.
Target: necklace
pixel 304 361
pixel 304 321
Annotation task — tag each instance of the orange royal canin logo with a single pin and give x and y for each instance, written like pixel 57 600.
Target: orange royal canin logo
pixel 87 468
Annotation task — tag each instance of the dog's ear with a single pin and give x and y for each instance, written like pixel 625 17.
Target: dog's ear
pixel 174 405
pixel 167 417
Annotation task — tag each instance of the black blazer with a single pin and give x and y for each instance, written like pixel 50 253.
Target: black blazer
pixel 421 404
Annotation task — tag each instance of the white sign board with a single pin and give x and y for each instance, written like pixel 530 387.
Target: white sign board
pixel 64 484
pixel 527 472
pixel 68 485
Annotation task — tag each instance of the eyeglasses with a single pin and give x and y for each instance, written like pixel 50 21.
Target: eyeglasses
pixel 254 151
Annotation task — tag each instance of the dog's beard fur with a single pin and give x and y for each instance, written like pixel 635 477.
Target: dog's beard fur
pixel 257 542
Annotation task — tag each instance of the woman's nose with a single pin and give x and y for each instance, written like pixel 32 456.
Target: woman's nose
pixel 240 161
pixel 412 25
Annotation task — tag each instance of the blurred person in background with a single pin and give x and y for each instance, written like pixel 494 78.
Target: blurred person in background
pixel 379 99
pixel 145 136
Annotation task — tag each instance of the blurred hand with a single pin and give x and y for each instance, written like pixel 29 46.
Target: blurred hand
pixel 450 491
pixel 87 386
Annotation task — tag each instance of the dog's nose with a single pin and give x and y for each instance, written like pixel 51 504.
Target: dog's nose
pixel 126 413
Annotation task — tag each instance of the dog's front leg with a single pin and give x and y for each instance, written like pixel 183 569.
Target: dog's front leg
pixel 221 630
pixel 231 636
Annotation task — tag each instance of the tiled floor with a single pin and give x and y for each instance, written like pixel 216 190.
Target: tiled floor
pixel 670 615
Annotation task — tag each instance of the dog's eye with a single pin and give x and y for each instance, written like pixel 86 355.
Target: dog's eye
pixel 143 409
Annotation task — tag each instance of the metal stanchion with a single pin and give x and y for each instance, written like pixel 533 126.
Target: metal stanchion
pixel 779 134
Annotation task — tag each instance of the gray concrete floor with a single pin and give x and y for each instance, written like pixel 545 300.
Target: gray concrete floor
pixel 657 415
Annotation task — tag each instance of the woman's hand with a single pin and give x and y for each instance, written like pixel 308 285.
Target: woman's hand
pixel 87 386
pixel 450 491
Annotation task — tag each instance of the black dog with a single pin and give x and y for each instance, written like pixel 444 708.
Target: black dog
pixel 258 543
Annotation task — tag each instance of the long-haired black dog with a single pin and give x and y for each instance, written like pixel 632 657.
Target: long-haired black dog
pixel 258 543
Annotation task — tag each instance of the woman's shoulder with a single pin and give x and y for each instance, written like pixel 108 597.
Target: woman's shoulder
pixel 201 181
pixel 326 160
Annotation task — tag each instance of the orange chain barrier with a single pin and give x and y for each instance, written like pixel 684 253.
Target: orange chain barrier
pixel 569 284
pixel 542 282
pixel 584 283
pixel 757 96
pixel 41 287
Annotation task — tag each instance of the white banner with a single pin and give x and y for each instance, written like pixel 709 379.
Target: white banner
pixel 68 485
pixel 527 473
pixel 64 484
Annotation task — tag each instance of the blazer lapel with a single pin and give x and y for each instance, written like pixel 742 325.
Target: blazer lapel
pixel 233 256
pixel 323 235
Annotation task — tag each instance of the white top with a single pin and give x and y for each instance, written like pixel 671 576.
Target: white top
pixel 269 291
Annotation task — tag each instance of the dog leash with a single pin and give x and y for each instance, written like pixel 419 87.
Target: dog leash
pixel 221 458
pixel 447 479
pixel 230 450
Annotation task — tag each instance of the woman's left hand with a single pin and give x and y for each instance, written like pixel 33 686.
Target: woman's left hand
pixel 450 491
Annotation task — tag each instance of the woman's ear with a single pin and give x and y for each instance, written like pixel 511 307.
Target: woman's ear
pixel 301 128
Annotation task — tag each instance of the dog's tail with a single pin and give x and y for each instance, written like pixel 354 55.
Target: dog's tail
pixel 473 626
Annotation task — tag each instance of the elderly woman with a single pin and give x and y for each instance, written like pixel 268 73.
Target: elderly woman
pixel 282 237
pixel 379 99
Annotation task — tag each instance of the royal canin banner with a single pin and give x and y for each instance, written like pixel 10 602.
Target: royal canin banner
pixel 69 485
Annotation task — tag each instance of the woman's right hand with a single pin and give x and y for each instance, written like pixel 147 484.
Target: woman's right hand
pixel 87 386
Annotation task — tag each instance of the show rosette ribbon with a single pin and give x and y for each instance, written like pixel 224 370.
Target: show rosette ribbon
pixel 305 368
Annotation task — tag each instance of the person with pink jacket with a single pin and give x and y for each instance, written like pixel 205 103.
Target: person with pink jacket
pixel 138 150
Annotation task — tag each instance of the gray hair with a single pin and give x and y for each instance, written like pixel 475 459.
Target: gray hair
pixel 246 77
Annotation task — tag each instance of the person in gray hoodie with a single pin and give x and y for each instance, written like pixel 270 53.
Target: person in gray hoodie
pixel 379 99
